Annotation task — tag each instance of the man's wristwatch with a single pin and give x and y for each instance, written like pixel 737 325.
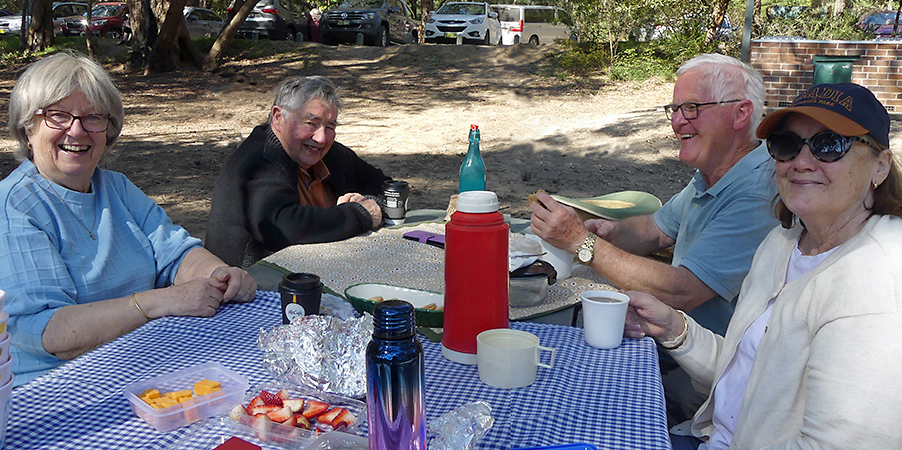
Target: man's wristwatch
pixel 586 251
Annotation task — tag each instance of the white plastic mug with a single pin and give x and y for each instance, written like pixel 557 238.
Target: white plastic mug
pixel 604 314
pixel 562 260
pixel 509 358
pixel 6 391
pixel 4 347
pixel 6 371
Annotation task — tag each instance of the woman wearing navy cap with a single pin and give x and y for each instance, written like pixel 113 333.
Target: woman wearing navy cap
pixel 813 354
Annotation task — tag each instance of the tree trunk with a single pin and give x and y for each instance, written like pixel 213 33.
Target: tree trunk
pixel 428 6
pixel 144 33
pixel 717 15
pixel 173 38
pixel 37 35
pixel 89 36
pixel 838 7
pixel 211 61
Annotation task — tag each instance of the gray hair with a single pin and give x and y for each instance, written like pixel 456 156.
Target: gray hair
pixel 52 79
pixel 293 93
pixel 727 78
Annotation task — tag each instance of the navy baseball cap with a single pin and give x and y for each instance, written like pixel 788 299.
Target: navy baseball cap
pixel 844 108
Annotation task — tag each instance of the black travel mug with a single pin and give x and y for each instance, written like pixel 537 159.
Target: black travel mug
pixel 301 294
pixel 396 194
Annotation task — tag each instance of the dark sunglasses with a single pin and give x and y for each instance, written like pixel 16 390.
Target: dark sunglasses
pixel 826 146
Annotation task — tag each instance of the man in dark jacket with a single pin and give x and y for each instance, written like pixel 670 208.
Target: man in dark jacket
pixel 290 183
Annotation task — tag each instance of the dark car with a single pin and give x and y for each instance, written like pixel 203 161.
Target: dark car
pixel 379 21
pixel 277 20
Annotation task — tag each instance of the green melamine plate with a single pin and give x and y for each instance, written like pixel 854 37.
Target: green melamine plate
pixel 617 205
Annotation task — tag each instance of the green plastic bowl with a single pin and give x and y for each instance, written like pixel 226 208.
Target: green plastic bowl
pixel 360 294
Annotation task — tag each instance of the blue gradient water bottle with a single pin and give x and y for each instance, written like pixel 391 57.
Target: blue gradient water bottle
pixel 472 171
pixel 395 403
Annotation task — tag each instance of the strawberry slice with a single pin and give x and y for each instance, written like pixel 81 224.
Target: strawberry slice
pixel 270 398
pixel 328 416
pixel 280 415
pixel 263 409
pixel 292 421
pixel 313 408
pixel 296 404
pixel 344 418
pixel 300 421
pixel 257 401
pixel 283 394
pixel 261 426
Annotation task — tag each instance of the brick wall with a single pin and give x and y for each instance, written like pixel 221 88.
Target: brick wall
pixel 788 69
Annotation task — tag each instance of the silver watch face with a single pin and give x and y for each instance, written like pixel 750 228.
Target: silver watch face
pixel 584 255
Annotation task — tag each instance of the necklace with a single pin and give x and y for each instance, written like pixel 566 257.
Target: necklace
pixel 90 233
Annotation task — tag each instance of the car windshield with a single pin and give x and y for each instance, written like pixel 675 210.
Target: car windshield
pixel 470 9
pixel 367 4
pixel 883 19
pixel 508 15
pixel 106 10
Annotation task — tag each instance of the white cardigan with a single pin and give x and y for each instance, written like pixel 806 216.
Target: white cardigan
pixel 828 371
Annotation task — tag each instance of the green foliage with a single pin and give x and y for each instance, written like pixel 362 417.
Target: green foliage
pixel 818 24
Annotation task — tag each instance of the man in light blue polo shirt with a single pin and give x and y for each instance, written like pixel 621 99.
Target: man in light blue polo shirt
pixel 714 225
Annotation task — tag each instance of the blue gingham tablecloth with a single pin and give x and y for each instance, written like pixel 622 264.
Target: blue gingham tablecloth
pixel 610 398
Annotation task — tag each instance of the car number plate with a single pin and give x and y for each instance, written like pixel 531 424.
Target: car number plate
pixel 344 22
pixel 451 35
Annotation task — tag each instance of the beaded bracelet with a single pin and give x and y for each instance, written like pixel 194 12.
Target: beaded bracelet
pixel 679 340
pixel 135 301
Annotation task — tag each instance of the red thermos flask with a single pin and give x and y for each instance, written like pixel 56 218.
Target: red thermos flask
pixel 476 274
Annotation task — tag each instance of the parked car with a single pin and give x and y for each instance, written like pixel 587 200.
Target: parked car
pixel 475 22
pixel 12 24
pixel 653 31
pixel 534 24
pixel 379 21
pixel 277 20
pixel 881 23
pixel 108 20
pixel 202 22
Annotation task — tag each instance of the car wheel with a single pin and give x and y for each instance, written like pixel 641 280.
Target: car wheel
pixel 534 40
pixel 382 36
pixel 574 39
pixel 488 38
pixel 289 35
pixel 115 33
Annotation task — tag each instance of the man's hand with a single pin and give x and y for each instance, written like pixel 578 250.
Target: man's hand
pixel 350 197
pixel 605 229
pixel 375 211
pixel 557 224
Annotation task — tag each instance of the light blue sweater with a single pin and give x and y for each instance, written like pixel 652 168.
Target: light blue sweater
pixel 50 261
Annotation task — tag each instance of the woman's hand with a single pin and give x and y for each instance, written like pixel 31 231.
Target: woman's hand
pixel 235 284
pixel 199 298
pixel 648 316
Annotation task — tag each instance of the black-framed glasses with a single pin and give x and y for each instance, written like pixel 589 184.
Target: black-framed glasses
pixel 690 109
pixel 826 146
pixel 62 120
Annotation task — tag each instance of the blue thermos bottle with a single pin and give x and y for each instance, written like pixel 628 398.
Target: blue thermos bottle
pixel 395 404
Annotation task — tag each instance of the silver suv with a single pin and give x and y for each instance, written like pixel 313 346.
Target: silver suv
pixel 379 21
pixel 61 11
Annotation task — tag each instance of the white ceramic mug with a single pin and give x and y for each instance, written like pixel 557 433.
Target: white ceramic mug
pixel 604 314
pixel 509 358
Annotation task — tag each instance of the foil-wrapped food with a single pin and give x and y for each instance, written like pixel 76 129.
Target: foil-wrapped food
pixel 321 352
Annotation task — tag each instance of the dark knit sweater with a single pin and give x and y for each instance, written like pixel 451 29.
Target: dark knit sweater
pixel 256 203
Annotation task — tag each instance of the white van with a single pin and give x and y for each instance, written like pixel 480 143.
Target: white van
pixel 534 24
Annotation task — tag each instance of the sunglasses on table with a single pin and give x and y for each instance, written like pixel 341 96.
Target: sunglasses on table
pixel 826 146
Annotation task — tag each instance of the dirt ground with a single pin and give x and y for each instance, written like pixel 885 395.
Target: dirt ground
pixel 407 110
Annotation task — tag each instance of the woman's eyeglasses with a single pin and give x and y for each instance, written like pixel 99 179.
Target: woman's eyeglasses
pixel 62 120
pixel 826 146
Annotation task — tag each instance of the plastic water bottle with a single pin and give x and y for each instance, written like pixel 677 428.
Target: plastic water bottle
pixel 395 403
pixel 476 274
pixel 472 171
